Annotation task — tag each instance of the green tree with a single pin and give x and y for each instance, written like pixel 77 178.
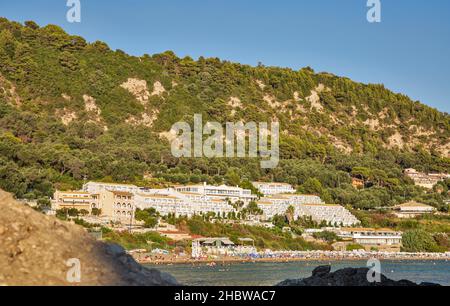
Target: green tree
pixel 419 241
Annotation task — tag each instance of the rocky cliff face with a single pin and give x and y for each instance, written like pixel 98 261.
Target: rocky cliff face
pixel 322 276
pixel 41 250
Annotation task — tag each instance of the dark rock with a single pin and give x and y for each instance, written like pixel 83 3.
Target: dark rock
pixel 351 277
pixel 321 271
pixel 115 249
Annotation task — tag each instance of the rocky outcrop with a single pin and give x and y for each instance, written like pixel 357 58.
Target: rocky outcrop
pixel 353 277
pixel 40 250
pixel 137 88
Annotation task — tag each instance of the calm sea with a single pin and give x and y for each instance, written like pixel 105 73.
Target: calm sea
pixel 268 274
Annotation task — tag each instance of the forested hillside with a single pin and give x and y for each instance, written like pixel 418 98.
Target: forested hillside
pixel 72 111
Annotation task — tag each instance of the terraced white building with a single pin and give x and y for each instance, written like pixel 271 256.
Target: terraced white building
pixel 268 189
pixel 307 206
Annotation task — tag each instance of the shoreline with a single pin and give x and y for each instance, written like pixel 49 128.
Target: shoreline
pixel 184 261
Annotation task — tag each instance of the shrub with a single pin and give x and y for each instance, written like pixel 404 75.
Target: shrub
pixel 327 236
pixel 419 241
pixel 354 246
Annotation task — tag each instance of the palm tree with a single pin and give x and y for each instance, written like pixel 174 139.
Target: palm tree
pixel 290 213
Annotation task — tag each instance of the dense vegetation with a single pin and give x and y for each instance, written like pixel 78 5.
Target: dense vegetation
pixel 348 131
pixel 274 239
pixel 147 241
pixel 421 241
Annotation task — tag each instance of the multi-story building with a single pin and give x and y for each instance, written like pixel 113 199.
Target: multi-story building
pixel 370 239
pixel 332 215
pixel 357 183
pixel 212 246
pixel 78 200
pixel 413 209
pixel 307 206
pixel 115 205
pixel 279 204
pixel 425 180
pixel 118 206
pixel 268 189
pixel 96 187
pixel 180 204
pixel 223 192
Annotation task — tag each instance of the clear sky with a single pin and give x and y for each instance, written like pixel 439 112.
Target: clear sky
pixel 409 51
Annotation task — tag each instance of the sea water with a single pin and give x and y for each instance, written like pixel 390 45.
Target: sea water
pixel 268 274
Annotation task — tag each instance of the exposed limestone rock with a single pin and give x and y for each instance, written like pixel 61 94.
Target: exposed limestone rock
pixel 235 102
pixel 158 89
pixel 137 88
pixel 271 100
pixel 323 277
pixel 374 124
pixel 90 105
pixel 445 150
pixel 8 90
pixel 66 97
pixel 314 98
pixel 145 119
pixel 396 140
pixel 341 145
pixel 66 116
pixel 37 249
pixel 261 84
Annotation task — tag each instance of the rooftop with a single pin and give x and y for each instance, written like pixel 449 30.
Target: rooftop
pixel 272 183
pixel 157 196
pixel 122 193
pixel 413 204
pixel 225 241
pixel 74 192
pixel 111 184
pixel 362 229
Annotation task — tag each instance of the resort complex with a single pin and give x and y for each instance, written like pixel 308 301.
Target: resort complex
pixel 118 203
pixel 118 206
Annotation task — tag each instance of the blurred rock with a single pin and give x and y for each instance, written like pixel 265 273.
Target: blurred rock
pixel 322 276
pixel 35 250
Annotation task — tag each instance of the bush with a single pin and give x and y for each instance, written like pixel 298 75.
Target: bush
pixel 354 246
pixel 148 216
pixel 419 241
pixel 329 237
pixel 442 241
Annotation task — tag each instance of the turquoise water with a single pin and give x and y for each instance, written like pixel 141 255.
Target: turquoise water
pixel 268 274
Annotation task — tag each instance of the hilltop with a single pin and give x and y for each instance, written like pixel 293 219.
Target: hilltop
pixel 73 110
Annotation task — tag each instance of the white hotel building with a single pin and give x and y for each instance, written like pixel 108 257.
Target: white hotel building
pixel 307 205
pixel 169 204
pixel 193 200
pixel 273 188
pixel 201 199
pixel 223 192
pixel 96 188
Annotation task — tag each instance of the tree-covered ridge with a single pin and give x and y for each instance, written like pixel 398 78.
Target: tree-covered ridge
pixel 72 110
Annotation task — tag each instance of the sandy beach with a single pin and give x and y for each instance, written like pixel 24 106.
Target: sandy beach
pixel 291 257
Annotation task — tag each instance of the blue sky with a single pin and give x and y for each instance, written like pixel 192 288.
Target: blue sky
pixel 409 51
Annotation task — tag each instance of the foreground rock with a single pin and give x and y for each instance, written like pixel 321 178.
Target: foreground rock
pixel 322 276
pixel 40 250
